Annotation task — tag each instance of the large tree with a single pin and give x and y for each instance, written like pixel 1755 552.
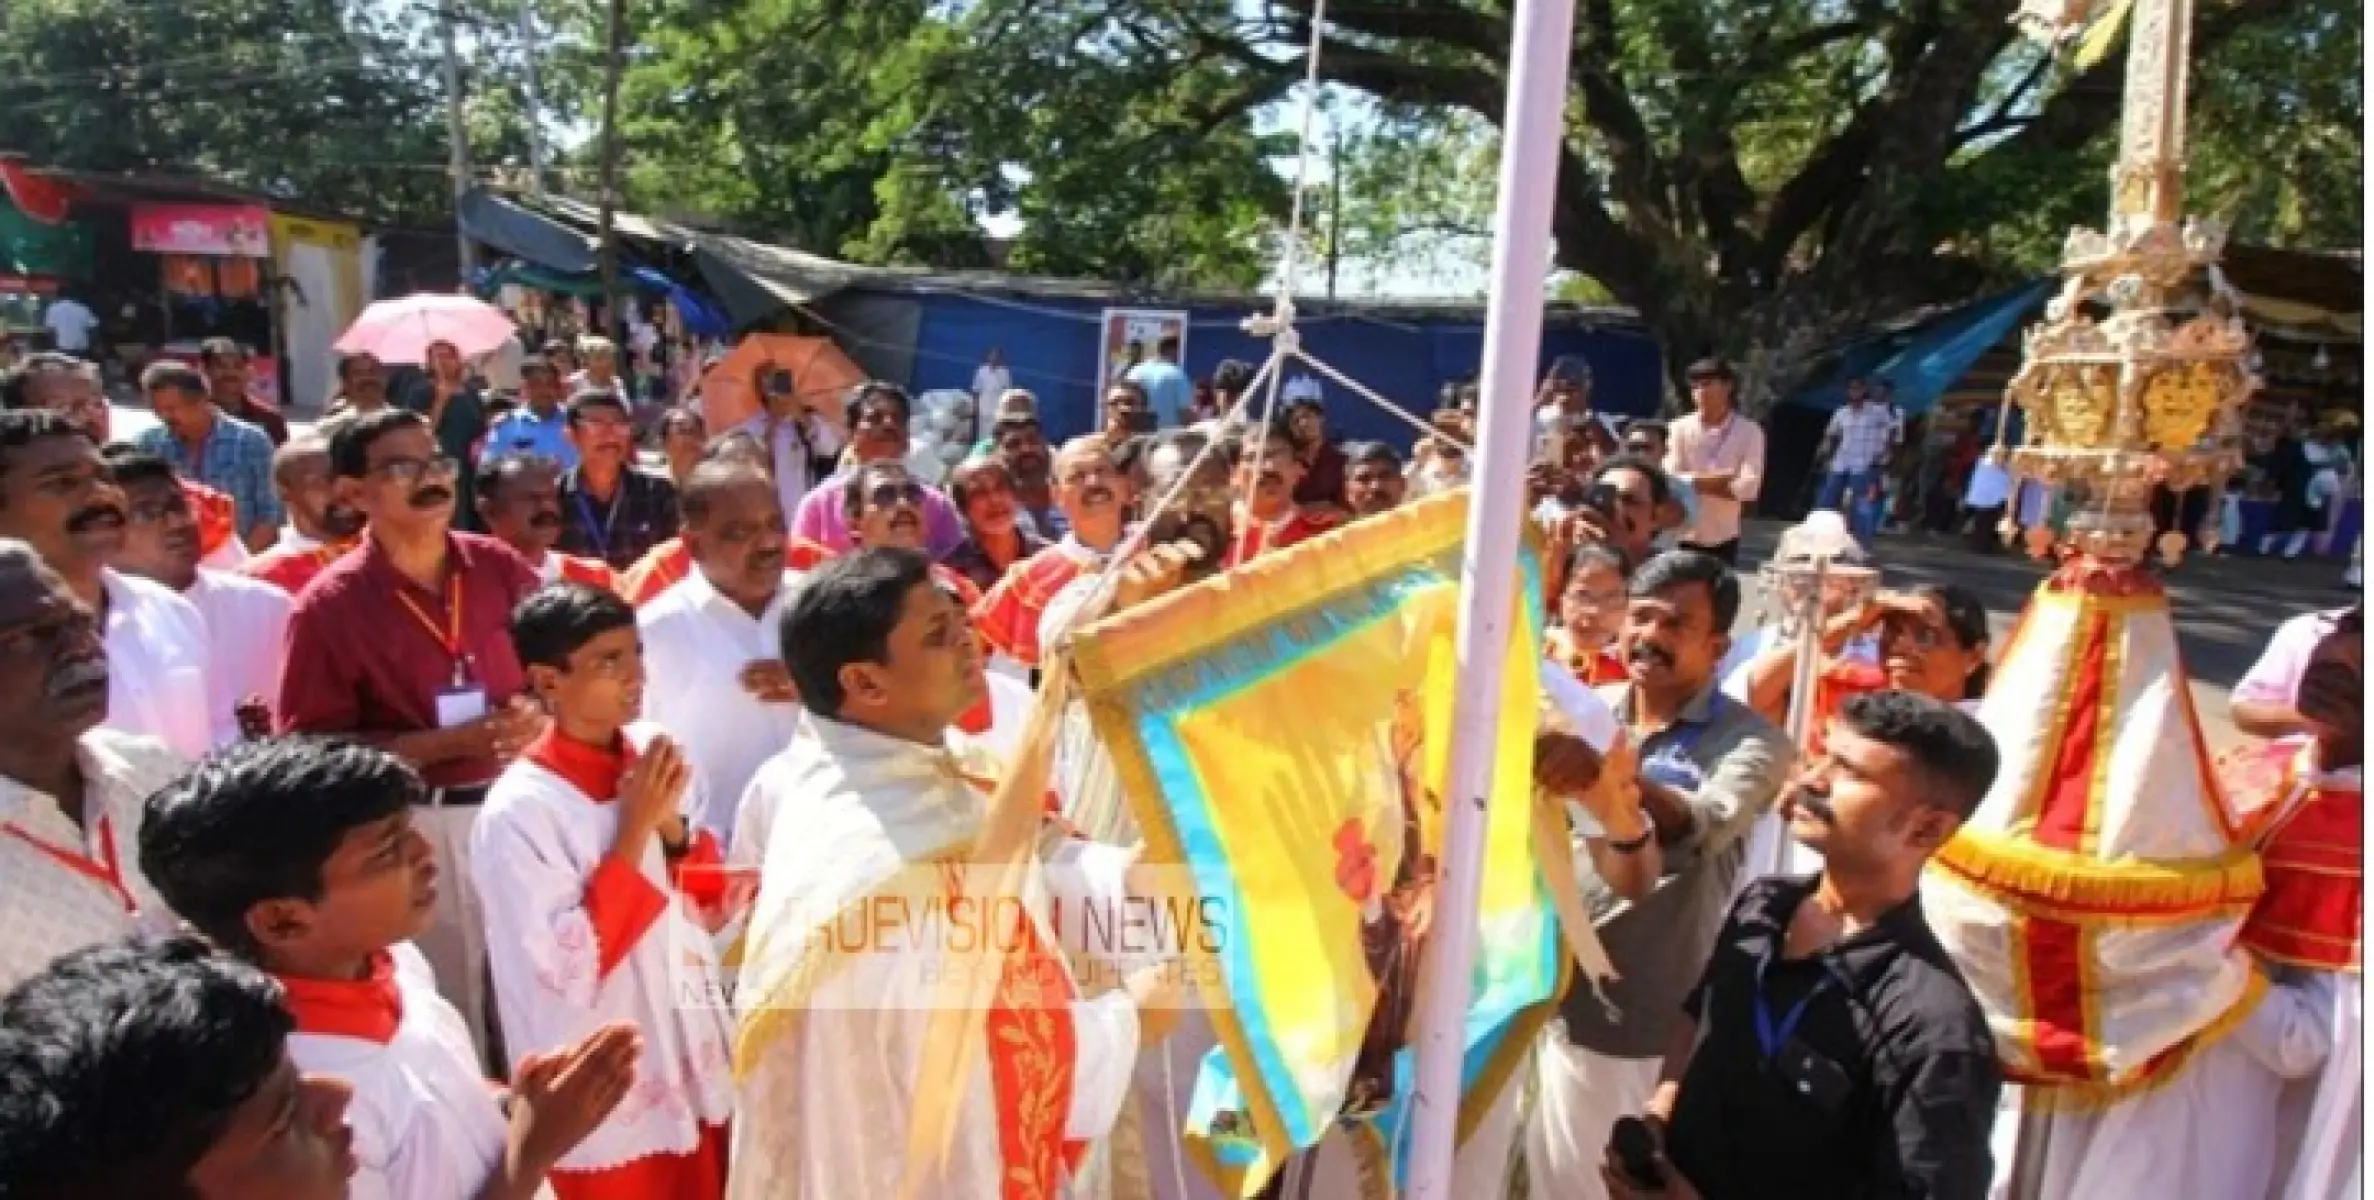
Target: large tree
pixel 313 100
pixel 1759 174
pixel 891 130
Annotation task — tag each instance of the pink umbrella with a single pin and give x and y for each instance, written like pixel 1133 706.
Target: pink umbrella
pixel 401 330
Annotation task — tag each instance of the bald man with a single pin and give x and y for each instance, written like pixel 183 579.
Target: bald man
pixel 1094 494
pixel 712 644
pixel 319 528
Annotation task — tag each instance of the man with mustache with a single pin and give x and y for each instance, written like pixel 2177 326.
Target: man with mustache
pixel 405 643
pixel 57 495
pixel 70 791
pixel 1831 1048
pixel 1095 497
pixel 1707 767
pixel 212 447
pixel 612 510
pixel 712 644
pixel 70 388
pixel 667 564
pixel 878 418
pixel 229 376
pixel 997 536
pixel 1022 446
pixel 1128 413
pixel 319 528
pixel 362 390
pixel 1269 467
pixel 246 619
pixel 1373 480
pixel 519 502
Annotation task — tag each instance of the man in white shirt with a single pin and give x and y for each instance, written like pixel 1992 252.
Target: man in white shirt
pixel 56 495
pixel 990 382
pixel 803 445
pixel 712 644
pixel 70 325
pixel 1720 454
pixel 246 620
pixel 1861 437
pixel 70 792
pixel 2265 699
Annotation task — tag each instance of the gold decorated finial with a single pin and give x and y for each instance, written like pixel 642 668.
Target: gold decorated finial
pixel 2138 373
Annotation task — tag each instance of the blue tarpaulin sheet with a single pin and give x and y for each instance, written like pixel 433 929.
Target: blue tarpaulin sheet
pixel 1936 354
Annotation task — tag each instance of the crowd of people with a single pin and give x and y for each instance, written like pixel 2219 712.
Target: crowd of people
pixel 441 803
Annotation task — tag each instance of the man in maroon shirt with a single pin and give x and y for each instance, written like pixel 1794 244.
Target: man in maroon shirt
pixel 228 377
pixel 405 643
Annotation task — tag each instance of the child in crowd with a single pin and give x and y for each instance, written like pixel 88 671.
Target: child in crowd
pixel 298 855
pixel 162 1069
pixel 585 855
pixel 1590 613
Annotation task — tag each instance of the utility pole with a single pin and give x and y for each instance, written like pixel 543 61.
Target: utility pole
pixel 457 134
pixel 612 69
pixel 532 96
pixel 1335 204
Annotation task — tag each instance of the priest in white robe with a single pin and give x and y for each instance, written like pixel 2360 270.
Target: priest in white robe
pixel 859 928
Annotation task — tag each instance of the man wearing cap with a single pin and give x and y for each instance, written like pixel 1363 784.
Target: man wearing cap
pixel 1720 454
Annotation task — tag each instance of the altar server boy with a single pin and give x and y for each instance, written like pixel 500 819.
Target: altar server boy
pixel 585 856
pixel 298 854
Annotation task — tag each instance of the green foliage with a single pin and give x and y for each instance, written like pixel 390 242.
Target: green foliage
pixel 888 131
pixel 298 98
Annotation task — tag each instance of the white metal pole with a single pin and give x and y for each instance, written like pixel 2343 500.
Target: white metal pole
pixel 1534 129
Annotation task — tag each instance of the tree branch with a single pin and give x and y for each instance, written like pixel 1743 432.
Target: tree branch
pixel 2001 119
pixel 2088 103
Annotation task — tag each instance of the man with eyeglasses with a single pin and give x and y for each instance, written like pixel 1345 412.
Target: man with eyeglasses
pixel 610 509
pixel 405 643
pixel 246 619
pixel 538 427
pixel 70 790
pixel 878 418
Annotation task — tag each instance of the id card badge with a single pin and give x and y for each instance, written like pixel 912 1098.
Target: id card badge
pixel 462 701
pixel 460 705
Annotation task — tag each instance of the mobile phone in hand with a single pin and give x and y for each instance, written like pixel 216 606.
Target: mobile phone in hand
pixel 1635 1146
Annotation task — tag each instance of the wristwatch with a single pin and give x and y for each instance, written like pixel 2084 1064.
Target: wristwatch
pixel 1648 830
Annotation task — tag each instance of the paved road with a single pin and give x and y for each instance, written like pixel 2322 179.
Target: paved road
pixel 2225 607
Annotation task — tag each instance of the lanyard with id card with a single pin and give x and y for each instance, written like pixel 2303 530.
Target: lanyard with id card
pixel 462 700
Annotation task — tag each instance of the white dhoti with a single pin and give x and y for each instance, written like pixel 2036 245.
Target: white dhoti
pixel 2211 1131
pixel 455 941
pixel 1579 1095
pixel 2322 1117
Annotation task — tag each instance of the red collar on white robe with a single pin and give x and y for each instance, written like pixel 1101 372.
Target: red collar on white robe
pixel 593 770
pixel 369 1008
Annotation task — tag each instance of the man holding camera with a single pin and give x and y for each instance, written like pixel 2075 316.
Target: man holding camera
pixel 1831 1048
pixel 804 444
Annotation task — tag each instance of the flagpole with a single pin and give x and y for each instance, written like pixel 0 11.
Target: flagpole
pixel 1531 148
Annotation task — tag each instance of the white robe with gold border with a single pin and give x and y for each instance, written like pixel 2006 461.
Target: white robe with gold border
pixel 830 1053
